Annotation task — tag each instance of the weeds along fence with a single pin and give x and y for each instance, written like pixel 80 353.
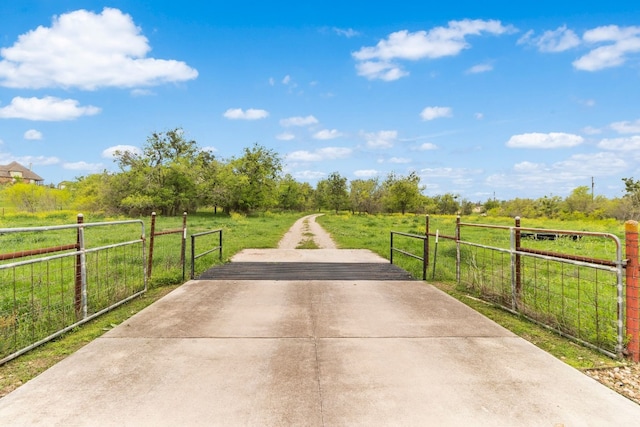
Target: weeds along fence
pixel 577 283
pixel 56 278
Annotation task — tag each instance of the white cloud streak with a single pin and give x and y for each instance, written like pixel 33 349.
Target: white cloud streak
pixel 619 42
pixel 381 139
pixel 327 134
pixel 378 62
pixel 33 135
pixel 544 140
pixel 558 40
pixel 298 121
pixel 46 109
pixel 250 114
pixel 431 113
pixel 328 153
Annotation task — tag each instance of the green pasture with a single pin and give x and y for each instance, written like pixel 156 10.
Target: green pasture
pixel 578 301
pixel 38 299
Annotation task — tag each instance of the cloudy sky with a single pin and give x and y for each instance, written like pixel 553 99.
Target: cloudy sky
pixel 478 98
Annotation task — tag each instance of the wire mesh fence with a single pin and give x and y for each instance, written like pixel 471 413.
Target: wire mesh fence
pixel 48 284
pixel 569 281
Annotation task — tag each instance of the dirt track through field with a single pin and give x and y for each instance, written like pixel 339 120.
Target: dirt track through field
pixel 306 228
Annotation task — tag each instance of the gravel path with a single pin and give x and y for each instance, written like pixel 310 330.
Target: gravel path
pixel 306 228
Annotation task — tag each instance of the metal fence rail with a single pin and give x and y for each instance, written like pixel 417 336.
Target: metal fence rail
pixel 569 281
pixel 195 256
pixel 42 297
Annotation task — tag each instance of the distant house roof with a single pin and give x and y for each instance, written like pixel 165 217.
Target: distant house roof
pixel 14 169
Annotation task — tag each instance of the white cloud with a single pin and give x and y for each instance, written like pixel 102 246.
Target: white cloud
pixel 272 82
pixel 427 146
pixel 366 173
pixel 449 173
pixel 209 149
pixel 298 121
pixel 309 175
pixel 29 160
pixel 590 130
pixel 286 80
pixel 376 62
pixel 431 113
pixel 285 136
pixel 88 51
pixel 46 109
pixel 33 134
pixel 250 114
pixel 328 153
pixel 399 160
pixel 631 143
pixel 480 68
pixel 478 116
pixel 326 134
pixel 348 33
pixel 83 166
pixel 142 92
pixel 381 139
pixel 558 40
pixel 109 153
pixel 381 70
pixel 626 127
pixel 544 140
pixel 620 43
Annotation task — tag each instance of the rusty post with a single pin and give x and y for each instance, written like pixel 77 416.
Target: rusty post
pixel 518 259
pixel 632 290
pixel 78 279
pixel 151 239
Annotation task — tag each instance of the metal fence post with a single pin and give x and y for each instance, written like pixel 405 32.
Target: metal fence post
pixel 78 278
pixel 184 244
pixel 391 248
pixel 633 290
pixel 458 257
pixel 426 235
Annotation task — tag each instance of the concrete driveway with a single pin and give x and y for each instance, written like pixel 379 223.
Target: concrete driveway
pixel 312 353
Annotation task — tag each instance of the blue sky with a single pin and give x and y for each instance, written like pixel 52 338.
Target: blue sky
pixel 481 99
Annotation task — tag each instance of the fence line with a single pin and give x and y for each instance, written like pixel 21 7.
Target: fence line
pixel 153 234
pixel 582 297
pixel 43 297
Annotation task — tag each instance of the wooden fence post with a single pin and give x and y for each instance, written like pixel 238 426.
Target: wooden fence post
pixel 151 241
pixel 632 290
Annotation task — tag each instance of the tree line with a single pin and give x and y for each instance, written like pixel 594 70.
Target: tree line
pixel 172 175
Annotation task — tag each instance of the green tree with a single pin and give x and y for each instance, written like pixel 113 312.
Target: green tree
pixel 447 204
pixel 255 176
pixel 364 195
pixel 402 193
pixel 580 200
pixel 335 191
pixel 292 195
pixel 163 177
pixel 27 197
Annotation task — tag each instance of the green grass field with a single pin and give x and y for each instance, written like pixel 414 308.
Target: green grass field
pixel 578 301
